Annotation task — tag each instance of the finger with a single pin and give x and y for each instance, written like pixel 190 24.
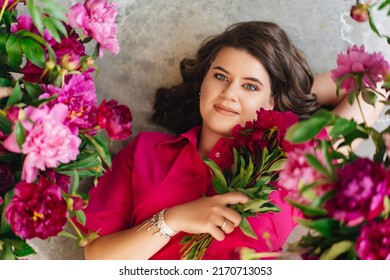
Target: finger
pixel 227 227
pixel 234 198
pixel 217 233
pixel 232 216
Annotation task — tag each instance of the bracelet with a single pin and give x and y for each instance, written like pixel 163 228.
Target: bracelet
pixel 157 221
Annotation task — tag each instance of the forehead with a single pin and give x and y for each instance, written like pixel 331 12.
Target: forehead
pixel 240 62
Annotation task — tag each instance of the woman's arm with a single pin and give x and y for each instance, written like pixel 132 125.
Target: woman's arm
pixel 204 215
pixel 325 89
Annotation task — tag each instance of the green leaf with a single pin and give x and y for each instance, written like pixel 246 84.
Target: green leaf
pixel 36 15
pixel 244 191
pixel 5 82
pixel 277 165
pixel 53 10
pixel 33 51
pixel 5 124
pixel 51 27
pixel 33 90
pixel 343 126
pixel 314 162
pixel 326 226
pixel 100 144
pixel 75 183
pixel 16 95
pixel 337 249
pixel 254 205
pixel 246 228
pixel 14 51
pixel 352 96
pixel 308 210
pixel 305 130
pixel 4 226
pixel 81 218
pixel 67 234
pixel 218 180
pixel 20 134
pixel 26 33
pixel 248 170
pixel 369 97
pixel 372 23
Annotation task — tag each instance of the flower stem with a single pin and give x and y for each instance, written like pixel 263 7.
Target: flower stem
pixel 75 228
pixel 3 9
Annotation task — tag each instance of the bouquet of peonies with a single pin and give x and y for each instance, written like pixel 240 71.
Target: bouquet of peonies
pixel 344 198
pixel 50 119
pixel 258 154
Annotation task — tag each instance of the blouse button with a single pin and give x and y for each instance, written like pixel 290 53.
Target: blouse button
pixel 217 154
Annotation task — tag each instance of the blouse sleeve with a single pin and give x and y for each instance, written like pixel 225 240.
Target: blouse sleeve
pixel 110 203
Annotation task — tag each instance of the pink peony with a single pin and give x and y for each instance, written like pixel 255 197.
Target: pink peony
pixel 116 119
pixel 79 95
pixel 97 19
pixel 374 241
pixel 254 135
pixel 37 210
pixel 297 173
pixel 371 67
pixel 48 142
pixel 360 191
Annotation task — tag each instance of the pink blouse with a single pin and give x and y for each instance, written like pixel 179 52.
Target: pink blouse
pixel 157 171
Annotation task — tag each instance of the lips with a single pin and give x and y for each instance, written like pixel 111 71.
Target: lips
pixel 225 110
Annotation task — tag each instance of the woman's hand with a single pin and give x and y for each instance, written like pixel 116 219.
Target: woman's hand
pixel 207 215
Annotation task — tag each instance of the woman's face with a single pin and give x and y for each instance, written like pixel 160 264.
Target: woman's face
pixel 234 88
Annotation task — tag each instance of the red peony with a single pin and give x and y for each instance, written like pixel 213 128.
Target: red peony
pixel 6 178
pixel 114 118
pixel 253 135
pixel 37 210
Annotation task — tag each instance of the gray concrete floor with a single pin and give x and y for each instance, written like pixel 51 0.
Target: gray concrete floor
pixel 155 35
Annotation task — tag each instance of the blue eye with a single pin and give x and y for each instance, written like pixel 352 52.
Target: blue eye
pixel 221 77
pixel 250 87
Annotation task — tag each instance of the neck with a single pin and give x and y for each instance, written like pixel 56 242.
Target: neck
pixel 207 141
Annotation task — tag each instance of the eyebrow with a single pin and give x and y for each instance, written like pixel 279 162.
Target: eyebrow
pixel 247 78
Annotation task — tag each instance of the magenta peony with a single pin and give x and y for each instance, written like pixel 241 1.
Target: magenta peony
pixel 97 19
pixel 114 118
pixel 374 241
pixel 48 142
pixel 371 67
pixel 37 210
pixel 360 191
pixel 79 95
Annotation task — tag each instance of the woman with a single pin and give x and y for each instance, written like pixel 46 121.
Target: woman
pixel 249 66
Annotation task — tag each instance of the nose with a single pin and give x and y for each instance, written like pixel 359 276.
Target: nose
pixel 230 92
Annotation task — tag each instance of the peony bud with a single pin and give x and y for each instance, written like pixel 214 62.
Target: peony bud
pixel 359 12
pixel 70 61
pixel 50 65
pixel 13 113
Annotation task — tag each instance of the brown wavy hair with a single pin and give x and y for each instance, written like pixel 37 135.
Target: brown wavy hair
pixel 177 108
